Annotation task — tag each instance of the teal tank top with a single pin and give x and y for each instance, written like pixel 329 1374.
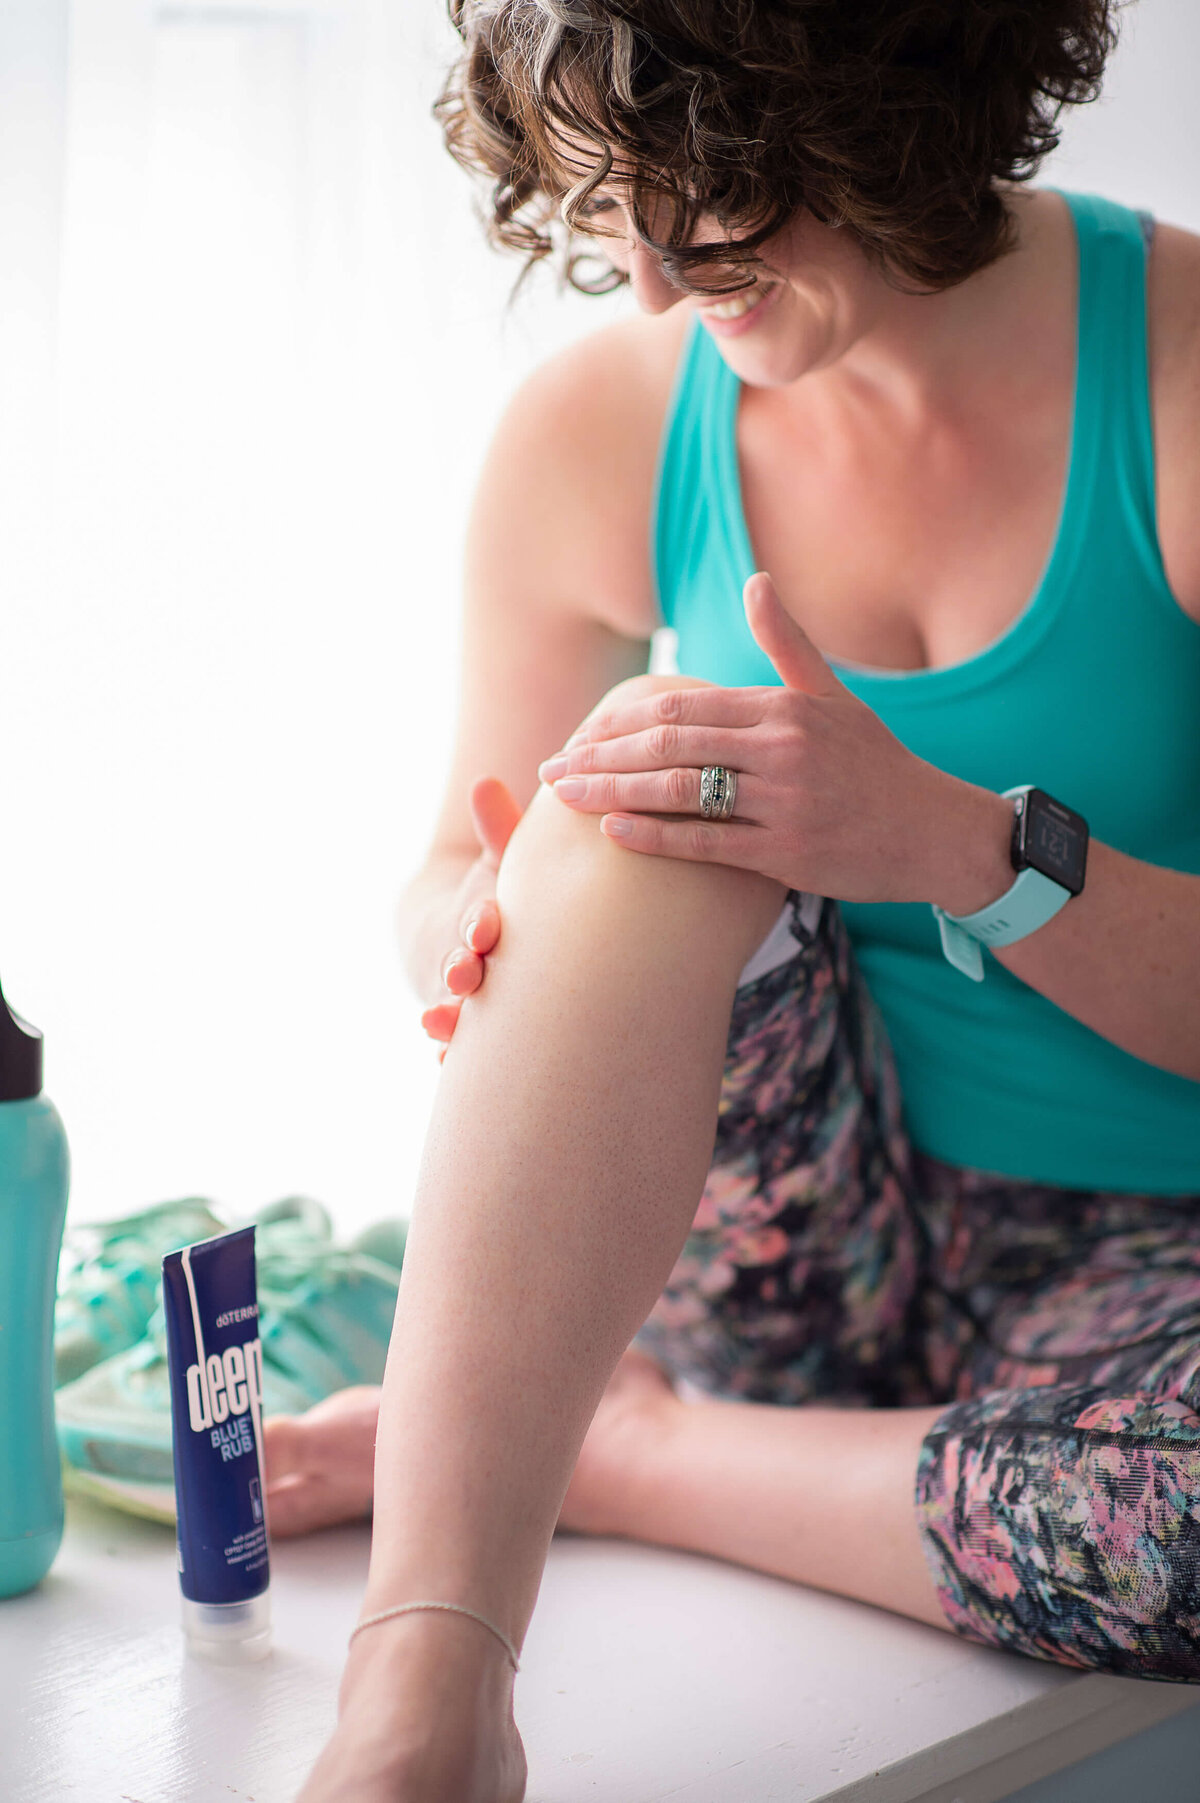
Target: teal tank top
pixel 1093 694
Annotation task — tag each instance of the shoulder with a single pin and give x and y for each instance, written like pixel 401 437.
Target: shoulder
pixel 570 474
pixel 1174 329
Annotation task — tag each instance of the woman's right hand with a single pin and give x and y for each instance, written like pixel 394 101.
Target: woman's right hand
pixel 495 814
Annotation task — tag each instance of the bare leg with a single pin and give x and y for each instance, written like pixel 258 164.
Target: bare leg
pixel 568 1149
pixel 821 1496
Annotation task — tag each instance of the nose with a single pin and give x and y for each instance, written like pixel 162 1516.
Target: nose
pixel 652 289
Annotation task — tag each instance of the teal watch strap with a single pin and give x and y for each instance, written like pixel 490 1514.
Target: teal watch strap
pixel 1029 904
pixel 958 948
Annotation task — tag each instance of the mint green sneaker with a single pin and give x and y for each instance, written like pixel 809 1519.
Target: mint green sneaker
pixel 383 1240
pixel 110 1276
pixel 325 1319
pixel 110 1272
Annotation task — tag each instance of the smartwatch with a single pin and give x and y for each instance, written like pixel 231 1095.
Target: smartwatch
pixel 1048 850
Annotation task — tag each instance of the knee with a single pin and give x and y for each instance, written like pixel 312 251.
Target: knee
pixel 648 684
pixel 636 688
pixel 563 824
pixel 556 848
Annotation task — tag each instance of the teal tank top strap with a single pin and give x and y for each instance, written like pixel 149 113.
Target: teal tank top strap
pixel 679 473
pixel 692 538
pixel 1114 440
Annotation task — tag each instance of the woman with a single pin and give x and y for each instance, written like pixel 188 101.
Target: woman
pixel 955 1217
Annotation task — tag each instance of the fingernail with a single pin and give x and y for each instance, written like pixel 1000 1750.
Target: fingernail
pixel 570 788
pixel 617 826
pixel 555 766
pixel 469 932
pixel 578 737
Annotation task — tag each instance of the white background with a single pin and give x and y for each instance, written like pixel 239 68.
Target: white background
pixel 227 681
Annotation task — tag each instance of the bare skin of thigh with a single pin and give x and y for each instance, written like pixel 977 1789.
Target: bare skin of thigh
pixel 566 1155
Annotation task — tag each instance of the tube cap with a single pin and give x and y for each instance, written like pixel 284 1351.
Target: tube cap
pixel 20 1056
pixel 229 1633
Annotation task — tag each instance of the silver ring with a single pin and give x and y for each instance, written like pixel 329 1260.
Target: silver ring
pixel 718 792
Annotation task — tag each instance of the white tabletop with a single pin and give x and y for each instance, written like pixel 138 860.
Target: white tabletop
pixel 645 1675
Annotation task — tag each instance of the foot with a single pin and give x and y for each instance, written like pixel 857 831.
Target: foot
pixel 424 1716
pixel 321 1465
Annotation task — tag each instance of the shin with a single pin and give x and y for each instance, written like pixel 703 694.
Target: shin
pixel 568 1148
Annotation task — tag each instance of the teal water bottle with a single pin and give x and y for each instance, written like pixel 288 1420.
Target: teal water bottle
pixel 34 1173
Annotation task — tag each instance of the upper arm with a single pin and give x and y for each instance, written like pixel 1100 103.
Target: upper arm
pixel 559 600
pixel 1174 323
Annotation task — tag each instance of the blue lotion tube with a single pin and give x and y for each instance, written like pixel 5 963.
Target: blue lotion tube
pixel 214 1358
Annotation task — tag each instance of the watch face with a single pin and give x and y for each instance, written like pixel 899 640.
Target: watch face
pixel 1050 838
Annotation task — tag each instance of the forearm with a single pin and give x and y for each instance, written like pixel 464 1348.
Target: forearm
pixel 1123 957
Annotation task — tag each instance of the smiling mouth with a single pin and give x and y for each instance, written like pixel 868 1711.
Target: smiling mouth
pixel 738 305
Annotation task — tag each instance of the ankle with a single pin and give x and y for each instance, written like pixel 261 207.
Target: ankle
pixel 621 1464
pixel 646 1453
pixel 445 1658
pixel 395 1611
pixel 424 1713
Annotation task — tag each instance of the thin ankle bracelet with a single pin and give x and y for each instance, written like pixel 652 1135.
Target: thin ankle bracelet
pixel 454 1609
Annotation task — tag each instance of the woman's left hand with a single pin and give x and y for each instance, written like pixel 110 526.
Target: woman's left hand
pixel 828 800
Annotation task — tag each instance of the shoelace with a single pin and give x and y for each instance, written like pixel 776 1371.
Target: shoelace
pixel 293 1269
pixel 110 1279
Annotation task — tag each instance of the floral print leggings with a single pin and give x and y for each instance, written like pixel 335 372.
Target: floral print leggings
pixel 1058 1493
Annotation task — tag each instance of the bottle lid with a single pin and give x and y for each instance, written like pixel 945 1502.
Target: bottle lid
pixel 20 1056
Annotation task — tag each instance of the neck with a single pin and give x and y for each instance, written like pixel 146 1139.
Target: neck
pixel 922 353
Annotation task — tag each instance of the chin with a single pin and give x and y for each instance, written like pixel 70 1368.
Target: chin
pixel 769 365
pixel 792 340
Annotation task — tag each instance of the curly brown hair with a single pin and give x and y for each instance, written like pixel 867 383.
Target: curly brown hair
pixel 893 118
